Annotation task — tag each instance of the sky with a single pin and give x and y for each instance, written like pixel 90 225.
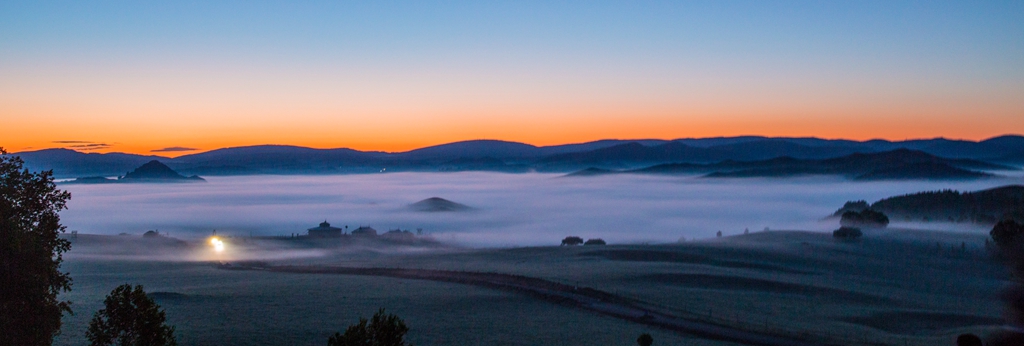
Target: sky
pixel 173 78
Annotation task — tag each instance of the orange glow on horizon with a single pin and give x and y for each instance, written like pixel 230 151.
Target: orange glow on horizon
pixel 551 132
pixel 140 126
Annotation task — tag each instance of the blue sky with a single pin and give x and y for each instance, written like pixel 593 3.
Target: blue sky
pixel 669 64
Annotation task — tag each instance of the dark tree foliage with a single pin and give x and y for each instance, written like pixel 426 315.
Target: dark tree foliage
pixel 986 206
pixel 857 206
pixel 572 240
pixel 381 330
pixel 595 241
pixel 865 218
pixel 645 340
pixel 30 255
pixel 130 318
pixel 1009 237
pixel 968 340
pixel 1007 234
pixel 847 233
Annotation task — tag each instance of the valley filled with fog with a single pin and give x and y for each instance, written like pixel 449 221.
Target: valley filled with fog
pixel 508 209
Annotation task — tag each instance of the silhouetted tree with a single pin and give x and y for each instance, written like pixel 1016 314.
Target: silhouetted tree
pixel 381 330
pixel 645 340
pixel 1008 237
pixel 595 241
pixel 572 240
pixel 865 218
pixel 968 340
pixel 130 318
pixel 857 206
pixel 1007 234
pixel 31 252
pixel 847 233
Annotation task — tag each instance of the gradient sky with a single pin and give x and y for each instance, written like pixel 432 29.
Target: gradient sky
pixel 132 77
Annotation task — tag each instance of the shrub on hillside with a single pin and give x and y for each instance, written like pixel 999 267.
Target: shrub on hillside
pixel 595 241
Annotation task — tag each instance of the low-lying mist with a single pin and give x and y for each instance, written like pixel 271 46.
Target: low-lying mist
pixel 509 209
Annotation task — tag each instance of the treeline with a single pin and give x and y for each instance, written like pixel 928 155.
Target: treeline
pixel 985 206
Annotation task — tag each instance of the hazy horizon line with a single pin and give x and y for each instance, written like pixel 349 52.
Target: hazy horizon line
pixel 200 151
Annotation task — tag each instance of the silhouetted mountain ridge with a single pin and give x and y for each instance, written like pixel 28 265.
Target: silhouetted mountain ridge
pixel 504 156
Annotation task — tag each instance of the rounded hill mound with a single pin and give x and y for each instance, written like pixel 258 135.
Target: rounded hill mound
pixel 437 204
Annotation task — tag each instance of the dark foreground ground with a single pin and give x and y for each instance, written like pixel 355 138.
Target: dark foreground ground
pixel 893 287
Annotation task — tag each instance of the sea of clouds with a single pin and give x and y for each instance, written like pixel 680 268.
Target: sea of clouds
pixel 510 209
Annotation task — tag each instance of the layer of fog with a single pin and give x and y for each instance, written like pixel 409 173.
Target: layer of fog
pixel 511 209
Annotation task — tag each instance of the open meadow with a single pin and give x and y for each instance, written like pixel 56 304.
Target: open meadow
pixel 892 287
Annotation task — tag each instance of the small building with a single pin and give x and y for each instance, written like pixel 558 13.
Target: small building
pixel 364 231
pixel 324 231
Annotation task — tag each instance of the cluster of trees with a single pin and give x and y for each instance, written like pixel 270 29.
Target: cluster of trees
pixel 857 206
pixel 986 206
pixel 864 218
pixel 847 233
pixel 574 240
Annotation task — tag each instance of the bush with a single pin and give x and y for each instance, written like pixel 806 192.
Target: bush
pixel 847 233
pixel 130 318
pixel 381 330
pixel 1007 234
pixel 645 340
pixel 572 240
pixel 866 218
pixel 968 340
pixel 595 241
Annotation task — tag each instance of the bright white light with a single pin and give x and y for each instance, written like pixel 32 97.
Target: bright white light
pixel 218 245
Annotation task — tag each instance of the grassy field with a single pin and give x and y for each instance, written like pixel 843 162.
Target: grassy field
pixel 894 287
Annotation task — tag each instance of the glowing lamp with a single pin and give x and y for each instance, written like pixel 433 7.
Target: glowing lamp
pixel 217 244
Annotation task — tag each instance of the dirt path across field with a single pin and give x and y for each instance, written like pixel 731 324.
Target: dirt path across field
pixel 581 297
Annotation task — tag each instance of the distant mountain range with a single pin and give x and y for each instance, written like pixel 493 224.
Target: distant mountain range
pixel 501 156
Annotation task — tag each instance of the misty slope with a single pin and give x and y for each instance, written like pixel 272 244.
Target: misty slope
pixel 503 156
